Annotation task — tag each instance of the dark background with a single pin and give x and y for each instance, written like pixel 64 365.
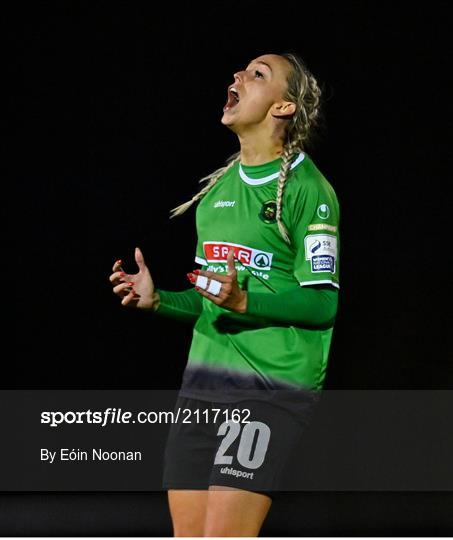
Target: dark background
pixel 117 109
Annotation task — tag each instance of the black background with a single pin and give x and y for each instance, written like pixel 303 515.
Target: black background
pixel 117 109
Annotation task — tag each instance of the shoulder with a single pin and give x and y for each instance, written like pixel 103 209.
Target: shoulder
pixel 306 181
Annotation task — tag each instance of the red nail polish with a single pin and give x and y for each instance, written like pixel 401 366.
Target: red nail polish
pixel 196 271
pixel 197 288
pixel 191 277
pixel 130 283
pixel 122 274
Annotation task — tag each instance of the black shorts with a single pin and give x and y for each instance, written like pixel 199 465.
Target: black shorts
pixel 242 445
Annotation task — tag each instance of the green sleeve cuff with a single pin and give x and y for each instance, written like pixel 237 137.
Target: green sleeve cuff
pixel 181 305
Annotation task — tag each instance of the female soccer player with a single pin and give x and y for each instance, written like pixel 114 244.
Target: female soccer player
pixel 263 305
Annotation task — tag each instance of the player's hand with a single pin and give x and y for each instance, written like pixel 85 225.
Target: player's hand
pixel 230 295
pixel 135 290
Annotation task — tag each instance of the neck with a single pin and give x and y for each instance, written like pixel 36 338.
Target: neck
pixel 259 149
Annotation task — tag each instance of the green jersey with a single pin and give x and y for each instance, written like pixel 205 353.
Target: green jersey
pixel 231 351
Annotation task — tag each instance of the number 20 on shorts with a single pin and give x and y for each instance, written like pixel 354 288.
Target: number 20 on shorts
pixel 245 443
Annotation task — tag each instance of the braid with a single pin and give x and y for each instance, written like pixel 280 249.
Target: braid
pixel 211 179
pixel 288 151
pixel 302 90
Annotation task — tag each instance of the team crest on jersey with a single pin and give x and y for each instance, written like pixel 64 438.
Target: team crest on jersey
pixel 268 212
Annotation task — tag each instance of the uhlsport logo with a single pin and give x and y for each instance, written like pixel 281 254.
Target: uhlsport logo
pixel 254 258
pixel 235 472
pixel 323 211
pixel 223 204
pixel 268 212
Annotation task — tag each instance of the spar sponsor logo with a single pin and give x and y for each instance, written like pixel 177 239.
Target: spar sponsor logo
pixel 254 258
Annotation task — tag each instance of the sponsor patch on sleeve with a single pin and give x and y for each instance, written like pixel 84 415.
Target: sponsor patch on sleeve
pixel 321 251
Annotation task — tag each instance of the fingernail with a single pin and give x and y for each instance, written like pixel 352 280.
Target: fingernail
pixel 119 261
pixel 196 271
pixel 197 288
pixel 130 283
pixel 122 274
pixel 191 277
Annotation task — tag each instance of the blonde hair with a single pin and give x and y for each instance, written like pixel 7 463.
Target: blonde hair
pixel 303 90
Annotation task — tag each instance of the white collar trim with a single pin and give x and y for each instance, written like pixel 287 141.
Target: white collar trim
pixel 258 181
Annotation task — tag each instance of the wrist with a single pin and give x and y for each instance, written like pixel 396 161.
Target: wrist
pixel 242 306
pixel 155 301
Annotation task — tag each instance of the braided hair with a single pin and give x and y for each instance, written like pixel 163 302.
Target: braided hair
pixel 210 180
pixel 302 90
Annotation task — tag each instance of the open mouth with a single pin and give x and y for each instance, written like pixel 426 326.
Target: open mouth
pixel 232 100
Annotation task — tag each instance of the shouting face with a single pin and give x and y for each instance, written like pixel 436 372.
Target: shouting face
pixel 257 94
